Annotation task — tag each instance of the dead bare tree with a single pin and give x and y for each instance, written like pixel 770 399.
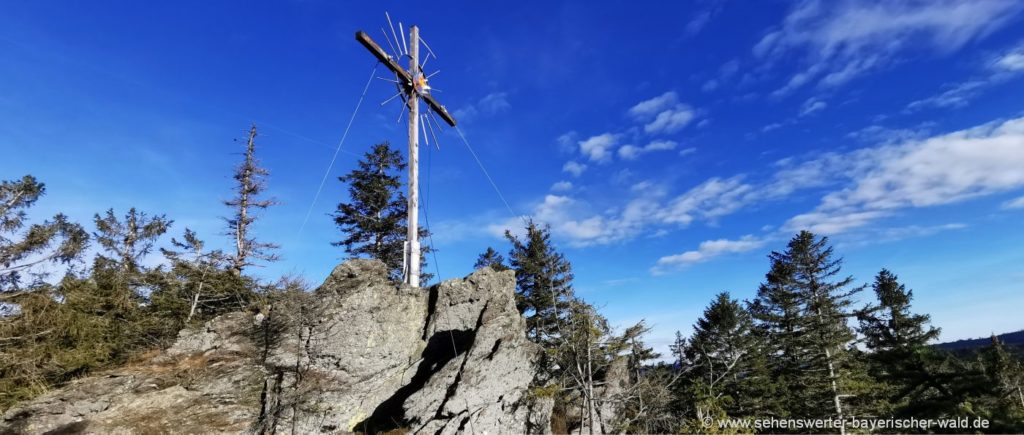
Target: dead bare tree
pixel 251 180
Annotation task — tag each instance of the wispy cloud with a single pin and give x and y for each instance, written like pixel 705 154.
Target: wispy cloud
pixel 653 106
pixel 1014 203
pixel 663 114
pixel 567 142
pixel 491 104
pixel 1012 60
pixel 561 186
pixel 726 72
pixel 649 205
pixel 574 168
pixel 939 170
pixel 632 152
pixel 953 97
pixel 879 135
pixel 709 200
pixel 999 69
pixel 822 34
pixel 707 250
pixel 494 102
pixel 888 235
pixel 903 171
pixel 657 116
pixel 702 15
pixel 811 106
pixel 571 221
pixel 598 148
pixel 858 187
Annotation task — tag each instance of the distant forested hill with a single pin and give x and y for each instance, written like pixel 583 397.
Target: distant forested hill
pixel 1014 341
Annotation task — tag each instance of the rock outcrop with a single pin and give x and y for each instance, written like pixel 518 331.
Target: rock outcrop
pixel 360 354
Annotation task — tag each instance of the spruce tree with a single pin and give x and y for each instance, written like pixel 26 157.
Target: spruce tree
pixel 543 281
pixel 491 258
pixel 890 327
pixel 816 364
pixel 725 359
pixel 120 284
pixel 897 341
pixel 35 327
pixel 127 241
pixel 21 253
pixel 251 182
pixel 85 321
pixel 373 222
pixel 778 311
pixel 1003 399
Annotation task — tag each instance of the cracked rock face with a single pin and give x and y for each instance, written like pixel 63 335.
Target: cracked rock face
pixel 360 354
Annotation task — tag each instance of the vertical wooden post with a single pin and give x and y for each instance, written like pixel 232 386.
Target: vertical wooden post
pixel 412 243
pixel 413 83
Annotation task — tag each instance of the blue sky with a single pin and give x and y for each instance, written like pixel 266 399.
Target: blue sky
pixel 669 146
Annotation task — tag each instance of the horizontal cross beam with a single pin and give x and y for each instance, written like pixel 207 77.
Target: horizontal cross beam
pixel 404 77
pixel 383 57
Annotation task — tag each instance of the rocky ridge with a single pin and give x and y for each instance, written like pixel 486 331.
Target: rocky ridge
pixel 359 354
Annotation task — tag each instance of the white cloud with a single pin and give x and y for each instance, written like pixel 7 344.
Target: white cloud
pixel 729 69
pixel 494 102
pixel 465 113
pixel 574 168
pixel 698 22
pixel 653 106
pixel 687 151
pixel 670 120
pixel 491 104
pixel 707 250
pixel 921 173
pixel 631 152
pixel 871 236
pixel 1014 203
pixel 878 135
pixel 861 187
pixel 826 223
pixel 955 96
pixel 725 74
pixel 811 106
pixel 792 177
pixel 709 200
pixel 596 148
pixel 840 40
pixel 663 114
pixel 567 142
pixel 661 145
pixel 1000 69
pixel 702 15
pixel 1012 61
pixel 942 169
pixel 570 221
pixel 561 186
pixel 649 205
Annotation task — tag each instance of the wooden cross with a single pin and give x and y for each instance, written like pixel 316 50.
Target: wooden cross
pixel 413 86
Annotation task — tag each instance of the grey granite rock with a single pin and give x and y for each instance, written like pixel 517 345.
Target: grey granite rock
pixel 360 354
